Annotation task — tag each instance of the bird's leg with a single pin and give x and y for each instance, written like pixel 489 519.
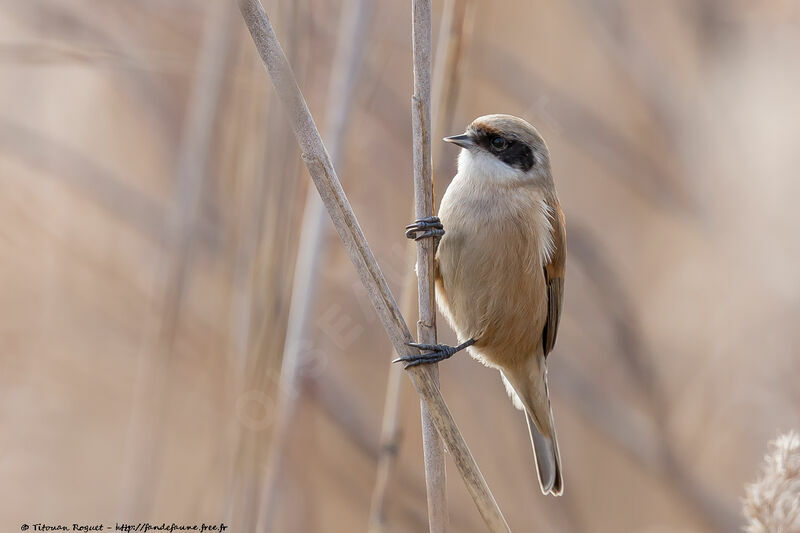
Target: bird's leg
pixel 425 227
pixel 438 352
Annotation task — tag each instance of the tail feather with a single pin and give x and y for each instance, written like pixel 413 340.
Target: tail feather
pixel 548 460
pixel 530 389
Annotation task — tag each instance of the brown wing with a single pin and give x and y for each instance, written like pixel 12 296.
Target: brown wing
pixel 554 277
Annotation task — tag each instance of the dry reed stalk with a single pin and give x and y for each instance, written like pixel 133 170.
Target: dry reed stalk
pixel 389 440
pixel 433 450
pixel 322 172
pixel 145 434
pixel 449 51
pixel 250 162
pixel 265 199
pixel 344 74
pixel 265 260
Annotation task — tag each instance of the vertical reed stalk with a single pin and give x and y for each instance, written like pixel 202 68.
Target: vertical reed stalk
pixel 145 431
pixel 344 73
pixel 445 81
pixel 389 444
pixel 433 451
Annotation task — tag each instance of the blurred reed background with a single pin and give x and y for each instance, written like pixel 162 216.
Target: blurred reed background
pixel 151 199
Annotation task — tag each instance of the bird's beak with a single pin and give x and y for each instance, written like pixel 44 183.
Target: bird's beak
pixel 463 140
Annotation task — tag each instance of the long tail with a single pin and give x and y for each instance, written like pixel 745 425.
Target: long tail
pixel 529 385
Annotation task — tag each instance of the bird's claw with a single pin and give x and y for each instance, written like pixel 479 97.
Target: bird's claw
pixel 425 227
pixel 436 353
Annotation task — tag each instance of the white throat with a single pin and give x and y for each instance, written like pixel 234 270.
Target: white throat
pixel 484 167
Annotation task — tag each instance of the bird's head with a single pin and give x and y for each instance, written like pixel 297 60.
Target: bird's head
pixel 502 148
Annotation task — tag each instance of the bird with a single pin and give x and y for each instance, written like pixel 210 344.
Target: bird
pixel 500 258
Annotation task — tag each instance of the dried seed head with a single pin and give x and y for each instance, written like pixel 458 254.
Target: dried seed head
pixel 772 503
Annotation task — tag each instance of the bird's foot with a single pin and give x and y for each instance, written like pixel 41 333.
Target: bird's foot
pixel 436 353
pixel 425 227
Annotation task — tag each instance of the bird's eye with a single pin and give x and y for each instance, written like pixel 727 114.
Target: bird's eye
pixel 499 144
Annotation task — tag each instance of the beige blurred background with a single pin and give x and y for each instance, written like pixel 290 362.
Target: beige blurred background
pixel 151 196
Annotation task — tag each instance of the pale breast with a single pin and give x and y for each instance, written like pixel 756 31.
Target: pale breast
pixel 491 283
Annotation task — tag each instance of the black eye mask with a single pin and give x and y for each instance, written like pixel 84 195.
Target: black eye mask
pixel 517 155
pixel 513 153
